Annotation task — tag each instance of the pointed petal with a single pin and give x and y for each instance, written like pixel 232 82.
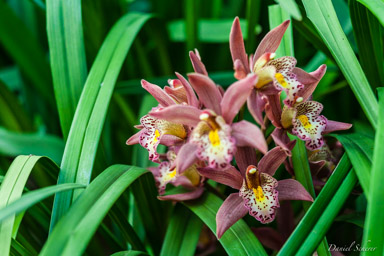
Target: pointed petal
pixel 271 41
pixel 236 45
pixel 272 160
pixel 245 156
pixel 248 134
pixel 273 109
pixel 170 140
pixel 235 97
pixel 181 114
pixel 291 189
pixel 281 139
pixel 186 157
pixel 240 70
pixel 229 176
pixel 163 98
pixel 310 80
pixel 191 96
pixel 134 139
pixel 269 237
pixel 198 66
pixel 229 213
pixel 183 197
pixel 207 91
pixel 255 105
pixel 336 126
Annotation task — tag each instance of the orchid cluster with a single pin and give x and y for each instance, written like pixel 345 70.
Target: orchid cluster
pixel 196 120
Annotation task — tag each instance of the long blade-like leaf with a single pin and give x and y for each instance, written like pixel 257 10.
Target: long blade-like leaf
pixel 376 7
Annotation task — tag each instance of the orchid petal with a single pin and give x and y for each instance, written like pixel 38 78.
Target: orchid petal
pixel 310 80
pixel 177 93
pixel 184 196
pixel 336 126
pixel 272 160
pixel 170 140
pixel 207 91
pixel 229 176
pixel 181 114
pixel 191 96
pixel 291 189
pixel 235 97
pixel 256 105
pixel 240 70
pixel 229 213
pixel 134 139
pixel 248 134
pixel 273 109
pixel 236 45
pixel 245 156
pixel 280 138
pixel 186 157
pixel 198 66
pixel 163 98
pixel 165 175
pixel 271 41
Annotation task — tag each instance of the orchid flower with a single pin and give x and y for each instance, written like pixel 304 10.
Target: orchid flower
pixel 215 137
pixel 259 193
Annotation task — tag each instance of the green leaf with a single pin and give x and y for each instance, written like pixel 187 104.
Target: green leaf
pixel 323 16
pixel 11 189
pixel 81 147
pixel 253 11
pixel 376 7
pixel 67 54
pixel 74 231
pixel 359 148
pixel 328 215
pixel 130 253
pixel 291 8
pixel 374 236
pixel 32 198
pixel 182 233
pixel 309 220
pixel 239 239
pixel 14 144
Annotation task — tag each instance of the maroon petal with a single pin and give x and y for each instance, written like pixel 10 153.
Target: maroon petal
pixel 271 41
pixel 256 106
pixel 249 135
pixel 235 97
pixel 181 114
pixel 273 109
pixel 198 66
pixel 245 156
pixel 183 197
pixel 236 45
pixel 192 99
pixel 310 80
pixel 272 160
pixel 229 176
pixel 230 212
pixel 207 91
pixel 281 139
pixel 163 98
pixel 269 237
pixel 186 157
pixel 336 126
pixel 290 189
pixel 170 140
pixel 240 70
pixel 134 139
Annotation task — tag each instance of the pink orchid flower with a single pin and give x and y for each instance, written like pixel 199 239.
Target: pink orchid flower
pixel 259 193
pixel 215 137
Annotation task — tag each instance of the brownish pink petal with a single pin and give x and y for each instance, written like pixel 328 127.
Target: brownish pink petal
pixel 272 160
pixel 236 45
pixel 245 156
pixel 207 91
pixel 310 80
pixel 134 139
pixel 229 213
pixel 281 139
pixel 186 157
pixel 229 176
pixel 181 114
pixel 336 126
pixel 198 66
pixel 170 140
pixel 271 41
pixel 273 109
pixel 158 93
pixel 256 105
pixel 291 189
pixel 235 97
pixel 249 135
pixel 191 96
pixel 183 197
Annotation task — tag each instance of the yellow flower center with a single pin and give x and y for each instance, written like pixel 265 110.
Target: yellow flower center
pixel 214 137
pixel 157 135
pixel 281 80
pixel 304 121
pixel 170 176
pixel 258 192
